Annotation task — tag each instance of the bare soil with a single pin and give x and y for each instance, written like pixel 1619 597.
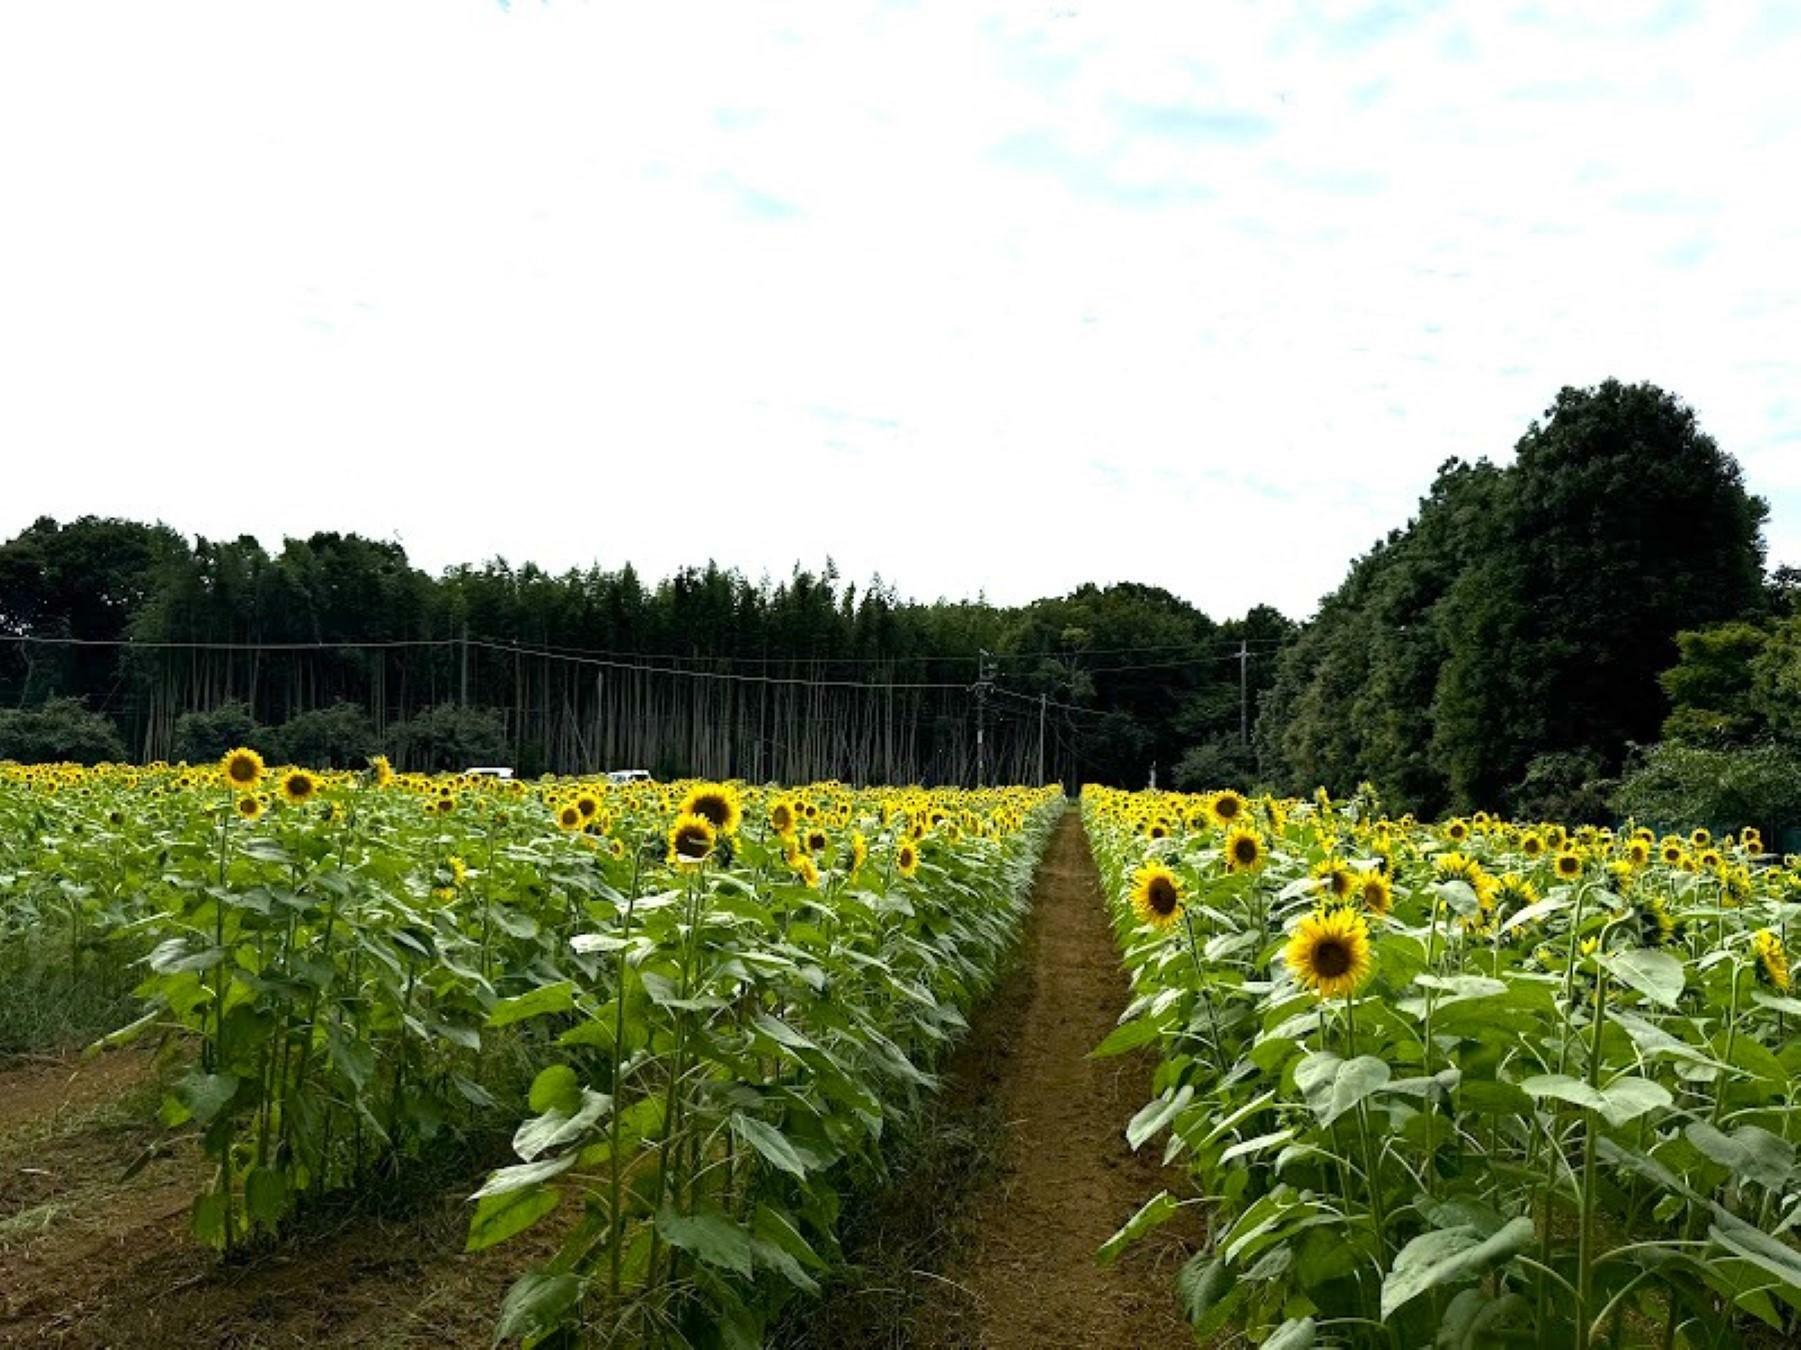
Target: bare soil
pixel 1029 1277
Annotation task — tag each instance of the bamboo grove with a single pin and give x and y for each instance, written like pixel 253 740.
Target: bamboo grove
pixel 1471 1084
pixel 694 1007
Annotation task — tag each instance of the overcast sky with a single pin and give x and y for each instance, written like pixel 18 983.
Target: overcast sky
pixel 997 299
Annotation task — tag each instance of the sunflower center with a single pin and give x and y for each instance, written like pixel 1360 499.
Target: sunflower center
pixel 1245 850
pixel 1162 896
pixel 1331 958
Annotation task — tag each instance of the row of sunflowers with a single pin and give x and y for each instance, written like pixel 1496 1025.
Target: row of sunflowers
pixel 706 1000
pixel 1476 1083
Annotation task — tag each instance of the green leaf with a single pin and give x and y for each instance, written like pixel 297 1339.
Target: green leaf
pixel 1294 1334
pixel 206 1094
pixel 1333 1086
pixel 1127 1036
pixel 1626 1099
pixel 547 998
pixel 1447 1255
pixel 266 1194
pixel 1208 1293
pixel 1655 974
pixel 770 1143
pixel 499 1217
pixel 1155 1115
pixel 504 1179
pixel 1155 1212
pixel 708 1234
pixel 535 1306
pixel 1768 1254
pixel 557 1127
pixel 557 1087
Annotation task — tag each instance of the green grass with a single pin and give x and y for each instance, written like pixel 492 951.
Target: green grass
pixel 50 1007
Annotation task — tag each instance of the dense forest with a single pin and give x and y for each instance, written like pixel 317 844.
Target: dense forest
pixel 1562 634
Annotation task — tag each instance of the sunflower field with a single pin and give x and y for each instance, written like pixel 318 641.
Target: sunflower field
pixel 694 1006
pixel 1471 1084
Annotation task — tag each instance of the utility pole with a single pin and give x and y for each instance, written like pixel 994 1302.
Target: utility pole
pixel 983 685
pixel 1043 703
pixel 1244 692
pixel 465 681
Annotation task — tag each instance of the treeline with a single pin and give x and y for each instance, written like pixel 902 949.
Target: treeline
pixel 1581 633
pixel 1506 649
pixel 337 645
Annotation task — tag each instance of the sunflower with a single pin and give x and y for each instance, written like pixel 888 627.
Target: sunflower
pixel 1701 838
pixel 906 858
pixel 1329 952
pixel 805 868
pixel 383 771
pixel 445 804
pixel 1335 879
pixel 691 839
pixel 781 816
pixel 249 806
pixel 1227 808
pixel 1638 852
pixel 1457 831
pixel 1671 851
pixel 1772 960
pixel 816 841
pixel 458 869
pixel 242 768
pixel 588 804
pixel 1656 925
pixel 1568 865
pixel 1156 896
pixel 569 816
pixel 856 853
pixel 1531 845
pixel 1376 892
pixel 298 787
pixel 717 804
pixel 1244 851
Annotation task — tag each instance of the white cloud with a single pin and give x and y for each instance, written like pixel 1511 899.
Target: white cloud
pixel 1198 295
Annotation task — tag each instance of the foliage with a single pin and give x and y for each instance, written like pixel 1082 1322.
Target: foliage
pixel 60 730
pixel 1683 787
pixel 1557 1110
pixel 342 737
pixel 353 966
pixel 446 737
pixel 1525 611
pixel 202 737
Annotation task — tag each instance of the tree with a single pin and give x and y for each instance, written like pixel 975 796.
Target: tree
pixel 338 737
pixel 201 738
pixel 447 737
pixel 59 731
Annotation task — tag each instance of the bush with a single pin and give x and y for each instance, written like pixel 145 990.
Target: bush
pixel 201 737
pixel 1679 787
pixel 338 737
pixel 1567 787
pixel 59 731
pixel 449 737
pixel 1218 763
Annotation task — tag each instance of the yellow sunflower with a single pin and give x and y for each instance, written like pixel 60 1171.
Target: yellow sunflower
pixel 856 853
pixel 1376 892
pixel 1156 896
pixel 298 787
pixel 1568 865
pixel 383 771
pixel 1227 808
pixel 906 858
pixel 1772 960
pixel 781 816
pixel 249 805
pixel 1329 952
pixel 569 816
pixel 691 839
pixel 1244 851
pixel 242 768
pixel 716 803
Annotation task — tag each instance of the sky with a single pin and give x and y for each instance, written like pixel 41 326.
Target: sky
pixel 993 299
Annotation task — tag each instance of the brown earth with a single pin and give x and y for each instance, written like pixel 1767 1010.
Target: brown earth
pixel 1029 1277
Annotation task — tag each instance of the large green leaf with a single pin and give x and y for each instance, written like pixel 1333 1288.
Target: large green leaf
pixel 1155 1115
pixel 1332 1086
pixel 709 1234
pixel 770 1143
pixel 499 1217
pixel 1655 974
pixel 1156 1211
pixel 1446 1256
pixel 547 998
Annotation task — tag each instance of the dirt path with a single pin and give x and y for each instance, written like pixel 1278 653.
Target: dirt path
pixel 1070 1180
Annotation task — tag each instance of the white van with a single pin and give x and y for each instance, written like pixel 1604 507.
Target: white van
pixel 618 776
